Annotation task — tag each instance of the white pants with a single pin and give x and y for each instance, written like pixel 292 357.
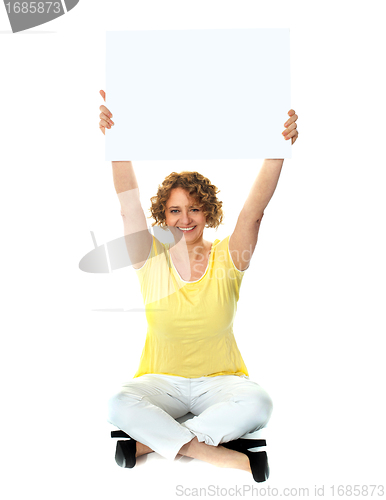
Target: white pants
pixel 226 408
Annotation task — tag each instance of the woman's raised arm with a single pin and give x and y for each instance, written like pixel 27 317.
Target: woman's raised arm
pixel 243 240
pixel 138 239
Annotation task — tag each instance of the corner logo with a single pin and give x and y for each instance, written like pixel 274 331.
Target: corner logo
pixel 25 15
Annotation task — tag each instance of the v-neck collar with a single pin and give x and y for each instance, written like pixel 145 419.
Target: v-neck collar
pixel 206 270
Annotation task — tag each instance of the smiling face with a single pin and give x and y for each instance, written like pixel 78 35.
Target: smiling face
pixel 183 213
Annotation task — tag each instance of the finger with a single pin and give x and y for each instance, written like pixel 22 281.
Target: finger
pixel 294 138
pixel 103 116
pixel 289 129
pixel 105 124
pixel 293 133
pixel 291 120
pixel 106 111
pixel 103 94
pixel 106 119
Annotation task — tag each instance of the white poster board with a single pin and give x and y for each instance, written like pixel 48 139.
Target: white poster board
pixel 198 94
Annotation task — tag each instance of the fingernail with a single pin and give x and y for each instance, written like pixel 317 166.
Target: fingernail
pixel 286 123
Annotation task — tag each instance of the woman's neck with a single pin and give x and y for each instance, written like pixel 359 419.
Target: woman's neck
pixel 196 251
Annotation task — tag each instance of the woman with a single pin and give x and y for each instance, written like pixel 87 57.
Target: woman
pixel 190 362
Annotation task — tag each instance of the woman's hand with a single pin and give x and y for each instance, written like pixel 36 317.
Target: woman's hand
pixel 105 115
pixel 291 130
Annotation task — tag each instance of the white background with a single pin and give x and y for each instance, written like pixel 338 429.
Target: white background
pixel 310 322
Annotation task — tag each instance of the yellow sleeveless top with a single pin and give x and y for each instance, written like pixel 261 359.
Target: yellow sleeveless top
pixel 190 324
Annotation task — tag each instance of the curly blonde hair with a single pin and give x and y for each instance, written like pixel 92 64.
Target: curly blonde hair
pixel 198 187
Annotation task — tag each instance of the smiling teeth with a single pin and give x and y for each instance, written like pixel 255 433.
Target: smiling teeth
pixel 187 228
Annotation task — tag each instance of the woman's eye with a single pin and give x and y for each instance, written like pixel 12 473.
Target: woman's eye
pixel 193 209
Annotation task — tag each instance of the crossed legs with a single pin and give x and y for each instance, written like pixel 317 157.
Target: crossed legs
pixel 226 407
pixel 215 455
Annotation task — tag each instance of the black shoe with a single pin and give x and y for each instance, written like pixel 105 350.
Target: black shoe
pixel 244 444
pixel 125 453
pixel 258 461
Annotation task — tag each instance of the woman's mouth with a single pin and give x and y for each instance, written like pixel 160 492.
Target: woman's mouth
pixel 185 229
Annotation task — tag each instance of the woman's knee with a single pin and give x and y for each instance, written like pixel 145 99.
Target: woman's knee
pixel 118 404
pixel 260 406
pixel 265 406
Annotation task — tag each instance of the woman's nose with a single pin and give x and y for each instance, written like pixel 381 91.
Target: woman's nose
pixel 185 218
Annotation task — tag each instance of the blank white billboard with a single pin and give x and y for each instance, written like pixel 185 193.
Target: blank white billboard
pixel 198 94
